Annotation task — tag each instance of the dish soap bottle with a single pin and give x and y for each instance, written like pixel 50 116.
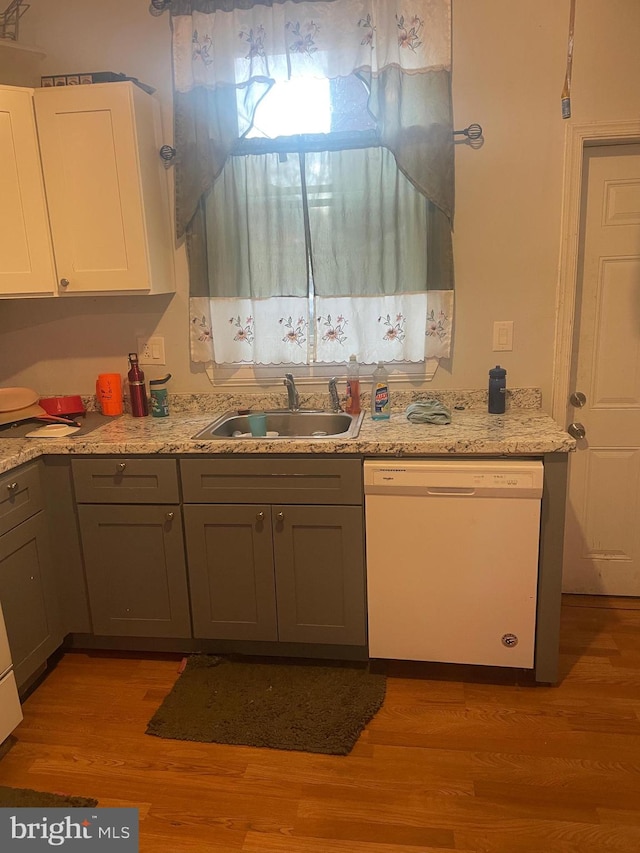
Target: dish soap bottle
pixel 352 406
pixel 380 400
pixel 137 389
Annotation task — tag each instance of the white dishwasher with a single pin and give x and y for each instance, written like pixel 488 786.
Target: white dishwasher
pixel 452 560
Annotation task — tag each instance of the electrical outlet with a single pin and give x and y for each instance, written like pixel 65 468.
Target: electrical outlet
pixel 151 350
pixel 503 336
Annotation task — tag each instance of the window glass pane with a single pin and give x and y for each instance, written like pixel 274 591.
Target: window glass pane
pixel 308 105
pixel 349 112
pixel 301 105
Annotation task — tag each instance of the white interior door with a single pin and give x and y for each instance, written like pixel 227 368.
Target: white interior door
pixel 602 539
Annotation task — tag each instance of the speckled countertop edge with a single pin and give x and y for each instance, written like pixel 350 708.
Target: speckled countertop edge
pixel 519 432
pixel 516 398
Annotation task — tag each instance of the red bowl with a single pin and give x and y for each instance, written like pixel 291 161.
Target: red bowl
pixel 71 405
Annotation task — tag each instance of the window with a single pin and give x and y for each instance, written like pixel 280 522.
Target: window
pixel 317 204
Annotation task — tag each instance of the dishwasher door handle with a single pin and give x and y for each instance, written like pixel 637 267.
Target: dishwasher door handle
pixel 450 490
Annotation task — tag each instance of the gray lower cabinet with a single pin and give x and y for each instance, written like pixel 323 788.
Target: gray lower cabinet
pixel 133 547
pixel 290 571
pixel 27 586
pixel 274 548
pixel 135 570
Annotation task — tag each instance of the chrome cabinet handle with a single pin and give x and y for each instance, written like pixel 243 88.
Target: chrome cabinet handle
pixel 122 466
pixel 11 487
pixel 64 282
pixel 577 399
pixel 170 516
pixel 280 516
pixel 576 430
pixel 260 516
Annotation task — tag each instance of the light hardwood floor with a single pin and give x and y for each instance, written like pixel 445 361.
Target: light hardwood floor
pixel 447 764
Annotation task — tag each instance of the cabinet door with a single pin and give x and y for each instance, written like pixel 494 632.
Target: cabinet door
pixel 28 596
pixel 135 570
pixel 26 256
pixel 230 557
pixel 106 190
pixel 320 574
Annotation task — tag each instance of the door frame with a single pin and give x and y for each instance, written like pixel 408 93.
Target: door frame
pixel 577 138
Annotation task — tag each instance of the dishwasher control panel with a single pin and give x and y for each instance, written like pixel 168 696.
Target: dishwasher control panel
pixel 480 478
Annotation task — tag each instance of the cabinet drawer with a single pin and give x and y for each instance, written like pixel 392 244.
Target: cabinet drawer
pixel 119 480
pixel 20 496
pixel 293 481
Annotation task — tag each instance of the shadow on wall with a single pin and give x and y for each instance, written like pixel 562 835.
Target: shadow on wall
pixel 37 331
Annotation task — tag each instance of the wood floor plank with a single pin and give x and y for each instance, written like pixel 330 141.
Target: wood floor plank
pixel 256 843
pixel 365 831
pixel 550 837
pixel 457 759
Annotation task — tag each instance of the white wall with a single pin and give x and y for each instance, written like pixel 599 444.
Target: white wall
pixel 509 60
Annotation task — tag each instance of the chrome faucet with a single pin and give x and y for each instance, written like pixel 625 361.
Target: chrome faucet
pixel 333 395
pixel 292 392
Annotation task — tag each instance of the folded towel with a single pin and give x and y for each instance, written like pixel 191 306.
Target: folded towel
pixel 428 412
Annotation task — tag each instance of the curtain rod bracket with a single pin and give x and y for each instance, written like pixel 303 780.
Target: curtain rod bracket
pixel 157 7
pixel 473 136
pixel 167 153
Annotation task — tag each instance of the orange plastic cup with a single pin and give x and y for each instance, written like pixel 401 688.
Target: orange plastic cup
pixel 109 393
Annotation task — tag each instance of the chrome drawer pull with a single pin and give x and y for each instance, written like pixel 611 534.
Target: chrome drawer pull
pixel 169 516
pixel 11 487
pixel 122 466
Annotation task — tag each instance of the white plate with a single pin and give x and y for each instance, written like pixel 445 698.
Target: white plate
pixel 13 399
pixel 52 431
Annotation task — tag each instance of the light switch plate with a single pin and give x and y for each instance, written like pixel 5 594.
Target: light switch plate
pixel 503 336
pixel 151 350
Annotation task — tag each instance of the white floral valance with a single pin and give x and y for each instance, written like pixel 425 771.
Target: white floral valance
pixel 270 331
pixel 309 39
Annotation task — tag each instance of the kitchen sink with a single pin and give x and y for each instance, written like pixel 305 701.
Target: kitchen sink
pixel 282 424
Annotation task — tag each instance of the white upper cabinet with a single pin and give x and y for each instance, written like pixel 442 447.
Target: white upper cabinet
pixel 106 191
pixel 26 256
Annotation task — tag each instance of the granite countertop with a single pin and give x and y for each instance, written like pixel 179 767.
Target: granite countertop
pixel 523 430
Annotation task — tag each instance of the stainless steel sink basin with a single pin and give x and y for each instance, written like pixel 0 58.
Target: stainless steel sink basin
pixel 286 424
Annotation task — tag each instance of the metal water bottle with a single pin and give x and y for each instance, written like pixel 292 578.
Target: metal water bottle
pixel 159 397
pixel 497 390
pixel 137 388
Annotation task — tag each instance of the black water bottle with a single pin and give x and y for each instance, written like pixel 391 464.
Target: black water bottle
pixel 497 390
